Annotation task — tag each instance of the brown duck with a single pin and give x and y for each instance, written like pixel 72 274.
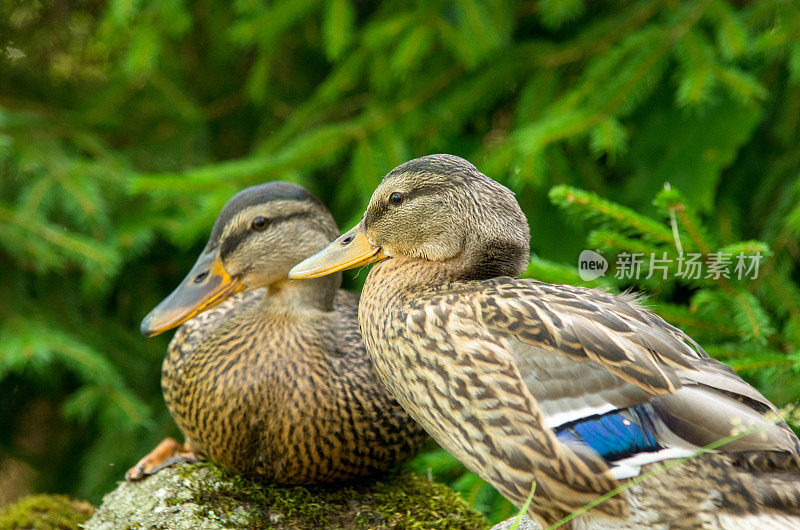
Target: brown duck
pixel 573 389
pixel 273 381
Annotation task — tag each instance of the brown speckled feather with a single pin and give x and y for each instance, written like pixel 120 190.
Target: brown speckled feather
pixel 506 356
pixel 439 364
pixel 275 380
pixel 191 335
pixel 292 398
pixel 574 389
pixel 626 351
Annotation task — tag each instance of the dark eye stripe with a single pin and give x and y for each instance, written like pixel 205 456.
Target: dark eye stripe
pixel 234 240
pixel 380 209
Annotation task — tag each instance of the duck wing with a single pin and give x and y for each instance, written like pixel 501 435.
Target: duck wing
pixel 615 379
pixel 461 382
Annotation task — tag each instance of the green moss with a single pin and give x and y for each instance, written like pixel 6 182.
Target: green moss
pixel 401 501
pixel 45 512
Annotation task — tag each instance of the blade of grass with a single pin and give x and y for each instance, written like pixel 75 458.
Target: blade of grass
pixel 655 471
pixel 524 509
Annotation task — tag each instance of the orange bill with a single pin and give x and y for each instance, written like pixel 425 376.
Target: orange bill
pixel 352 249
pixel 206 285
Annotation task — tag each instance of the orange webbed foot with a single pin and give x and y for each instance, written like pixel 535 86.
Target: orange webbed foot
pixel 165 454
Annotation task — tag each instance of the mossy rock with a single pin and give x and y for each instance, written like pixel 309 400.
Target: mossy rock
pixel 206 497
pixel 525 523
pixel 45 512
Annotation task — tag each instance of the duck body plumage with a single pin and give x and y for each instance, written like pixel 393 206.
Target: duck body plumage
pixel 540 355
pixel 574 390
pixel 266 376
pixel 292 397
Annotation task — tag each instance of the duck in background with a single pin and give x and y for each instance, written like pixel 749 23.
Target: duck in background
pixel 572 389
pixel 269 376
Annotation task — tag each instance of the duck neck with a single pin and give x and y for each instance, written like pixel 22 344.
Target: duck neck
pixel 293 296
pixel 483 264
pixel 404 273
pixel 486 256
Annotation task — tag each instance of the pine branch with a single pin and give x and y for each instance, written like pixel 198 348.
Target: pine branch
pixel 551 272
pixel 671 200
pixel 694 322
pixel 72 245
pixel 591 207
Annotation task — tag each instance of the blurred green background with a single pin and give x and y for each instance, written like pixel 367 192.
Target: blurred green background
pixel 125 125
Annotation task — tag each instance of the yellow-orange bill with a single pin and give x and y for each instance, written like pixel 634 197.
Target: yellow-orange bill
pixel 352 249
pixel 206 285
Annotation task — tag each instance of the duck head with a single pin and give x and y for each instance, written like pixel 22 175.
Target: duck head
pixel 259 235
pixel 436 208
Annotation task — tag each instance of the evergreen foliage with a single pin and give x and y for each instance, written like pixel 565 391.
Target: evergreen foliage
pixel 126 125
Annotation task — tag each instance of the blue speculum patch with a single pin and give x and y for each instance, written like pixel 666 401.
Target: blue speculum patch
pixel 615 435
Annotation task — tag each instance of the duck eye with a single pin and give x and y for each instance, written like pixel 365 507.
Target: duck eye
pixel 260 223
pixel 396 198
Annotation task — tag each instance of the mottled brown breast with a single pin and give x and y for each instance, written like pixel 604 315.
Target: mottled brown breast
pixel 293 398
pixel 462 386
pixel 474 370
